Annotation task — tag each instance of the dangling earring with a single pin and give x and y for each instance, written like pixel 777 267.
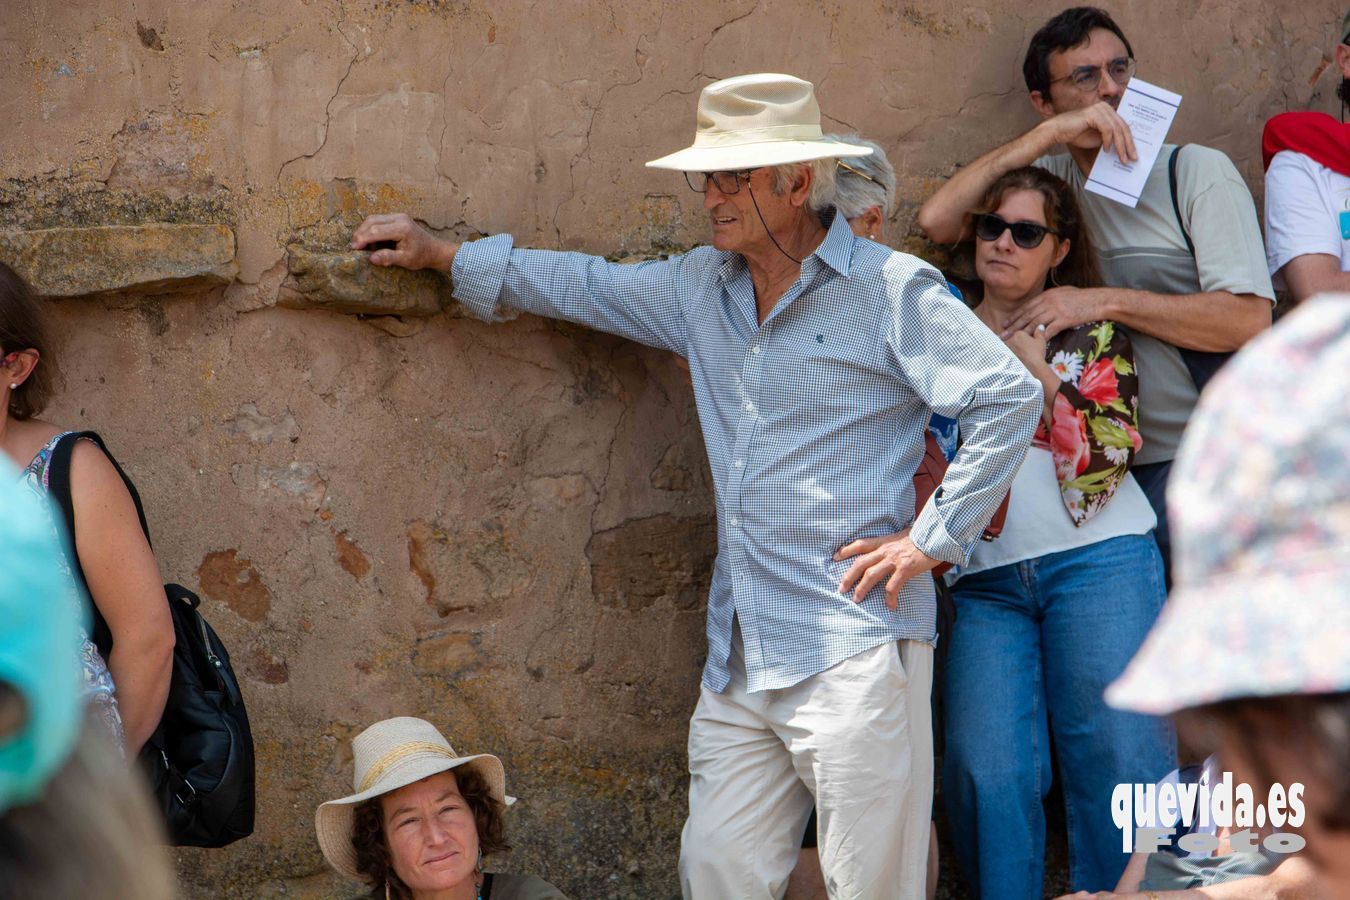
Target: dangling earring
pixel 1053 279
pixel 478 867
pixel 386 889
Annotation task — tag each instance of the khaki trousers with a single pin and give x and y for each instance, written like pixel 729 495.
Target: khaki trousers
pixel 857 738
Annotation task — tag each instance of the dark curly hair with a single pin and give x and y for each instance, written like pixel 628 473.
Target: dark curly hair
pixel 23 326
pixel 372 849
pixel 1079 268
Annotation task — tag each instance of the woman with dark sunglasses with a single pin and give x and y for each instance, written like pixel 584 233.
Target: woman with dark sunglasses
pixel 1051 612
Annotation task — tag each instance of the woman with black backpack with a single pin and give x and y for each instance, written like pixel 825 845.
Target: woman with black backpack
pixel 127 658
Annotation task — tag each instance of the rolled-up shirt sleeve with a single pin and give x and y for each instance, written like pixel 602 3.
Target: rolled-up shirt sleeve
pixel 963 371
pixel 641 301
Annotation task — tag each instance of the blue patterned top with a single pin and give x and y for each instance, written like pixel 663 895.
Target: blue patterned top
pixel 98 681
pixel 813 422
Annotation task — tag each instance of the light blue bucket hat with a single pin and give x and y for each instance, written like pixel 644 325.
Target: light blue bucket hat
pixel 39 643
pixel 1259 503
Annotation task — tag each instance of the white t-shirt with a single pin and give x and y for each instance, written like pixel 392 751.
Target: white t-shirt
pixel 1038 523
pixel 1307 211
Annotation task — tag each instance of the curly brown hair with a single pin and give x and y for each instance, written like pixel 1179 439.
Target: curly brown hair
pixel 23 326
pixel 372 849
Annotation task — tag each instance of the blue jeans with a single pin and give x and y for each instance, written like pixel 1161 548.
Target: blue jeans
pixel 1034 646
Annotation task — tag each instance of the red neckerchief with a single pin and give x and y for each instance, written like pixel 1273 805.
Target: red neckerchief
pixel 1316 135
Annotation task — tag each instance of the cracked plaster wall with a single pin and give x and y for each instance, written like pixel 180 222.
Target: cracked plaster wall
pixel 505 529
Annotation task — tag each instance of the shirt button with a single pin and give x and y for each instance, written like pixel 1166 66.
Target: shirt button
pixel 740 464
pixel 749 407
pixel 755 349
pixel 735 522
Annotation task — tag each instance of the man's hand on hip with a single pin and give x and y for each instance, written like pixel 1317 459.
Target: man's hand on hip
pixel 413 247
pixel 892 558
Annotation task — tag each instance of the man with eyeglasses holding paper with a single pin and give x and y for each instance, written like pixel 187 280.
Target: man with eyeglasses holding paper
pixel 1188 279
pixel 816 357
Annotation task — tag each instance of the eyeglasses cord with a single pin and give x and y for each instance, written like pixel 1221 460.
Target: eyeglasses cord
pixel 767 230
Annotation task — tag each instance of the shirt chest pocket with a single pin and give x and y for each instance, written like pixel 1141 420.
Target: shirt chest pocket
pixel 817 369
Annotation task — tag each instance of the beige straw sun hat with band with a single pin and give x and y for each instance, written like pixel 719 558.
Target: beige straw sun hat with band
pixel 756 120
pixel 387 756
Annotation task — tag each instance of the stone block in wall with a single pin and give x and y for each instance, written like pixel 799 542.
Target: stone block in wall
pixel 138 259
pixel 348 283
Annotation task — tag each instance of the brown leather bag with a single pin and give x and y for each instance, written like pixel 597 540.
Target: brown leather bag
pixel 931 469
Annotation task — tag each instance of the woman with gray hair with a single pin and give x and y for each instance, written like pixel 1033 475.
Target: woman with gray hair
pixel 864 188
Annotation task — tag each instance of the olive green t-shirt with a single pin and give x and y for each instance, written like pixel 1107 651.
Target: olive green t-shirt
pixel 1143 249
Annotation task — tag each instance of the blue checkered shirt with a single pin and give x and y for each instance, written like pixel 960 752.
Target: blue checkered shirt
pixel 813 420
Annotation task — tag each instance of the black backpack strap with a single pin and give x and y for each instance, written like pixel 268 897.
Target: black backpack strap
pixel 58 481
pixel 1176 204
pixel 58 486
pixel 58 478
pixel 1201 364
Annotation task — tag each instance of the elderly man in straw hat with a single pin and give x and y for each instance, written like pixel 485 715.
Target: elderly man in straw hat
pixel 816 359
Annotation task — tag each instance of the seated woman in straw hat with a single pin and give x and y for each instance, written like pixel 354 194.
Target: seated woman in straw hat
pixel 422 819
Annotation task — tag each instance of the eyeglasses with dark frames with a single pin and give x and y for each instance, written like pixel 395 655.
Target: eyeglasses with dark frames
pixel 725 182
pixel 1027 235
pixel 1087 78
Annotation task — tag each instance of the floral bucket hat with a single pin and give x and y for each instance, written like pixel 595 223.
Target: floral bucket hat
pixel 1259 503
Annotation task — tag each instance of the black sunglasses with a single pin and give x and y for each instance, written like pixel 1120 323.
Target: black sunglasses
pixel 1027 235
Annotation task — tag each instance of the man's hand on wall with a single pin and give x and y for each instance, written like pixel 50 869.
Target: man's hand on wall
pixel 396 240
pixel 892 557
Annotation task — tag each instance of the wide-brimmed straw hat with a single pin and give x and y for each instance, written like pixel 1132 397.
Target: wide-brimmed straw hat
pixel 756 120
pixel 387 756
pixel 1259 503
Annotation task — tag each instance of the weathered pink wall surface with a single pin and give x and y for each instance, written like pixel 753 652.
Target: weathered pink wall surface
pixel 506 529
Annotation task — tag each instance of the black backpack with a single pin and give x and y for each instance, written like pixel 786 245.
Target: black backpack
pixel 199 761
